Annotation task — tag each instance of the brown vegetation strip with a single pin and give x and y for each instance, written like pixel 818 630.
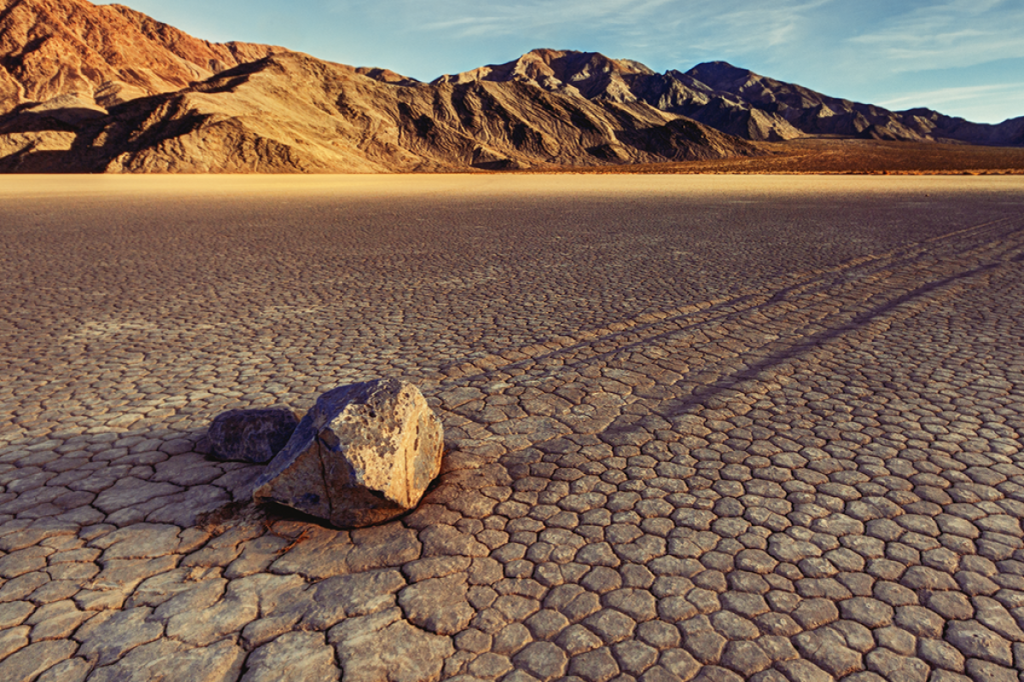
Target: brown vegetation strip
pixel 833 156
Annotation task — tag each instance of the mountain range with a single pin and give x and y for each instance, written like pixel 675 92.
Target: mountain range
pixel 87 88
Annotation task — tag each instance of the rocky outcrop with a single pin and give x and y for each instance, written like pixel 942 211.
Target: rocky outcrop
pixel 736 101
pixel 788 110
pixel 593 76
pixel 107 54
pixel 254 436
pixel 364 454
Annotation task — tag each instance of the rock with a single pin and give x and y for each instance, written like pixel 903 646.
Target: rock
pixel 295 656
pixel 545 661
pixel 892 666
pixel 107 638
pixel 827 649
pixel 70 670
pixel 108 44
pixel 254 436
pixel 977 641
pixel 201 627
pixel 438 604
pixel 351 596
pixel 384 647
pixel 166 659
pixel 364 454
pixel 29 662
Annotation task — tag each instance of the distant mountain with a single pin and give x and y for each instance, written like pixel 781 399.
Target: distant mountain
pixel 813 113
pixel 737 101
pixel 86 88
pixel 595 77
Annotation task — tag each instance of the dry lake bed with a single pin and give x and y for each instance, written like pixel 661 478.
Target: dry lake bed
pixel 697 427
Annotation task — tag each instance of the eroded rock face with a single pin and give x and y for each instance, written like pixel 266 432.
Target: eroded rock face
pixel 251 435
pixel 105 53
pixel 364 454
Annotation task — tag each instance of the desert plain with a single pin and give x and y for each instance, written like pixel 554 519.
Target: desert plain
pixel 697 427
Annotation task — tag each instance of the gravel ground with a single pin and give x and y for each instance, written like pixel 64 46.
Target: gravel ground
pixel 713 428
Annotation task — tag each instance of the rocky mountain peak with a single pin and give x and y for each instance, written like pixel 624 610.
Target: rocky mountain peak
pixel 711 72
pixel 105 53
pixel 590 74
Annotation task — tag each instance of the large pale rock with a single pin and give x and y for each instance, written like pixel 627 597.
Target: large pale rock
pixel 364 454
pixel 251 435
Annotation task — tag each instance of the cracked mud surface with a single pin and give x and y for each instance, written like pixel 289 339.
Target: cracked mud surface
pixel 709 428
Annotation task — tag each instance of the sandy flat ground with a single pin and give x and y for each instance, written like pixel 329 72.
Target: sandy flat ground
pixel 733 427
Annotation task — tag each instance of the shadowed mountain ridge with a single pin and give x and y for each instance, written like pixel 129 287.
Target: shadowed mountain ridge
pixel 739 101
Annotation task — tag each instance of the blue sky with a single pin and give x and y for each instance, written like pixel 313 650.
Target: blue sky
pixel 961 57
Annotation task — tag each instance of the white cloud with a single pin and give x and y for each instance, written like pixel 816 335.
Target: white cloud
pixel 668 26
pixel 973 102
pixel 512 17
pixel 957 33
pixel 744 28
pixel 952 95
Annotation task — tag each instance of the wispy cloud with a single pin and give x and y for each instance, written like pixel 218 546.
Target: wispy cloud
pixel 669 27
pixel 970 102
pixel 513 17
pixel 741 27
pixel 957 33
pixel 952 95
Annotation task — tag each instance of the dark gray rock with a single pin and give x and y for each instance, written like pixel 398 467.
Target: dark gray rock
pixel 254 436
pixel 364 454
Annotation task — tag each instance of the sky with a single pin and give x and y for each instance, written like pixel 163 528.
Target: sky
pixel 961 57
